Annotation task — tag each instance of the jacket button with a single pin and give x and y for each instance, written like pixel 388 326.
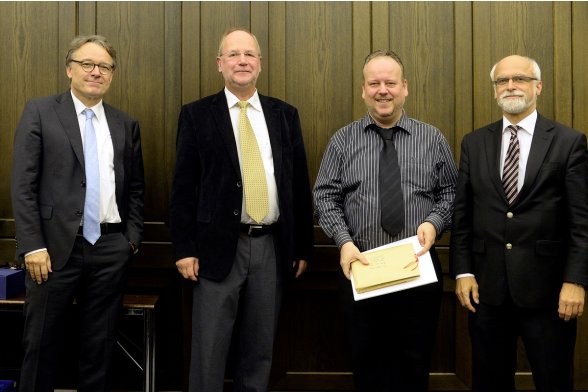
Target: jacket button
pixel 236 212
pixel 79 212
pixel 509 215
pixel 238 184
pixel 509 246
pixel 83 184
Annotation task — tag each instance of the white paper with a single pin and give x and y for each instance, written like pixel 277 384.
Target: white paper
pixel 426 268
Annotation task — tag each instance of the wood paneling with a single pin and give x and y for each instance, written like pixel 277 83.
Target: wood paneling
pixel 313 55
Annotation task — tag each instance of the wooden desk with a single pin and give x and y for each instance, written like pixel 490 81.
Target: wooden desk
pixel 134 305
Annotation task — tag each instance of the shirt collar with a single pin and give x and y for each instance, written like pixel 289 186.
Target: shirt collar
pixel 528 123
pixel 98 109
pixel 232 100
pixel 403 123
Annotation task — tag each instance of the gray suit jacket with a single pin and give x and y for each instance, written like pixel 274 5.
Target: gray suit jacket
pixel 48 176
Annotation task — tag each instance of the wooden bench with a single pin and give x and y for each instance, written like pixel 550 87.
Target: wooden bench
pixel 134 305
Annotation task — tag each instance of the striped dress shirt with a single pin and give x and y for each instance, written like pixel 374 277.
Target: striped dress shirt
pixel 346 193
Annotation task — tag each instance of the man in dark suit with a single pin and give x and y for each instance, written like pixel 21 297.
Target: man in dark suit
pixel 77 195
pixel 519 243
pixel 241 217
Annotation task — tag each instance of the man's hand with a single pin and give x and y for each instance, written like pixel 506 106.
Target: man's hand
pixel 571 301
pixel 188 268
pixel 349 254
pixel 426 234
pixel 39 265
pixel 300 266
pixel 466 288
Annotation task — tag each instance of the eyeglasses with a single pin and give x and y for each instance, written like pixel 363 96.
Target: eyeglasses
pixel 515 80
pixel 87 66
pixel 233 55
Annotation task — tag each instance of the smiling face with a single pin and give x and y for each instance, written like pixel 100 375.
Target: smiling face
pixel 89 87
pixel 384 90
pixel 239 62
pixel 517 98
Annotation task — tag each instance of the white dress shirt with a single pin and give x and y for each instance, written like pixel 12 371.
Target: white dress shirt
pixel 257 120
pixel 108 208
pixel 525 136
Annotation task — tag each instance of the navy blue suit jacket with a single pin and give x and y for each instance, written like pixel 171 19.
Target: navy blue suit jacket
pixel 526 250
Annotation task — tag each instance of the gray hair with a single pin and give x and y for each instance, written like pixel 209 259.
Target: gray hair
pixel 536 69
pixel 81 40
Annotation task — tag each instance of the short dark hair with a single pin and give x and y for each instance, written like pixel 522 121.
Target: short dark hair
pixel 385 53
pixel 81 40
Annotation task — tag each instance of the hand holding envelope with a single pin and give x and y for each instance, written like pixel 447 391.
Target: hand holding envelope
pixel 405 250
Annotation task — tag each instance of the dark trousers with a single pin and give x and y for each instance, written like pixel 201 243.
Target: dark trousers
pixel 392 337
pixel 250 298
pixel 95 276
pixel 549 344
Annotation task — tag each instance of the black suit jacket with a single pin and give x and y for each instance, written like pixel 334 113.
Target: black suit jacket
pixel 546 228
pixel 48 176
pixel 207 190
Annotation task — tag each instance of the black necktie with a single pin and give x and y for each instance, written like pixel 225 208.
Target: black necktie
pixel 391 199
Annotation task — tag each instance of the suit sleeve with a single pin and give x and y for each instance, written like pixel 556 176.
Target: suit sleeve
pixel 135 196
pixel 461 231
pixel 303 212
pixel 185 190
pixel 576 178
pixel 26 171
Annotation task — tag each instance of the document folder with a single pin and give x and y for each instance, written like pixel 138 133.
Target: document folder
pixel 387 267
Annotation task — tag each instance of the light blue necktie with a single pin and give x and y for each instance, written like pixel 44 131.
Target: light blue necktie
pixel 92 202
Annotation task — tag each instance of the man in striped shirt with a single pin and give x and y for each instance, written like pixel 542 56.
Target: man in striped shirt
pixel 348 208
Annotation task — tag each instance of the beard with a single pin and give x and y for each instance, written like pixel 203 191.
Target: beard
pixel 514 105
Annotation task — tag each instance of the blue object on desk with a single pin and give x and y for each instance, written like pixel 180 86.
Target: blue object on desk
pixel 7 386
pixel 11 283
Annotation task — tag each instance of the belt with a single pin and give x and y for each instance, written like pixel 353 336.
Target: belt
pixel 256 230
pixel 105 228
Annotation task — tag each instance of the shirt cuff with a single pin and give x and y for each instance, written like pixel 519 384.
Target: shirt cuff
pixel 464 276
pixel 35 251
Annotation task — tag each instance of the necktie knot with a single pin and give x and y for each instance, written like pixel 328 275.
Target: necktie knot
pixel 243 104
pixel 89 114
pixel 513 129
pixel 385 133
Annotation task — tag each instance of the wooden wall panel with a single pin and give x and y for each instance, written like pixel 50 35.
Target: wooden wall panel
pixel 318 71
pixel 422 42
pixel 313 55
pixel 504 28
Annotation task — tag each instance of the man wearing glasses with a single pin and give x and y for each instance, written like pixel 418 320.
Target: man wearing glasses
pixel 77 196
pixel 241 217
pixel 519 242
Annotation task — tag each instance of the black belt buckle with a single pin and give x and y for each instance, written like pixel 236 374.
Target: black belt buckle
pixel 253 229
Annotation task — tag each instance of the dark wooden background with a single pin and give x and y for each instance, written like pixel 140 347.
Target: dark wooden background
pixel 312 57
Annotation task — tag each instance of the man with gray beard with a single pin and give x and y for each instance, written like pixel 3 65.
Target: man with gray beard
pixel 519 241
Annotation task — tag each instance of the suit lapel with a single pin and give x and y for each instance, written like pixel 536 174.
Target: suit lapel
pixel 220 113
pixel 493 144
pixel 66 112
pixel 274 128
pixel 542 138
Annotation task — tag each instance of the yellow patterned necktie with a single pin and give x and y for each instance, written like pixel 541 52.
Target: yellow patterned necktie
pixel 256 198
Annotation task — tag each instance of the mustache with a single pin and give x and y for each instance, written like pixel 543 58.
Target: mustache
pixel 512 94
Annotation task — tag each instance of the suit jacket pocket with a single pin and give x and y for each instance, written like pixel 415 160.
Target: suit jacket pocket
pixel 478 246
pixel 548 248
pixel 46 211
